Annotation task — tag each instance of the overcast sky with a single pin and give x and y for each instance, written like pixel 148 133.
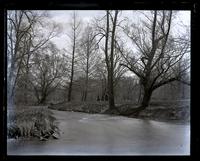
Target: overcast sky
pixel 63 17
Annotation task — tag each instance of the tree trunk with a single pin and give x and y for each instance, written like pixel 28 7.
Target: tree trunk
pixel 25 94
pixel 111 93
pixel 146 98
pixel 111 69
pixel 106 54
pixel 145 102
pixel 10 100
pixel 111 101
pixel 27 77
pixel 85 96
pixel 86 83
pixel 43 99
pixel 72 74
pixel 69 91
pixel 11 85
pixel 26 87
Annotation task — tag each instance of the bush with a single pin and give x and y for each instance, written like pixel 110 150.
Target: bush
pixel 31 122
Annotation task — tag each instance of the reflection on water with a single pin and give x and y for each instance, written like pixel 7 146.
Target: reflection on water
pixel 85 134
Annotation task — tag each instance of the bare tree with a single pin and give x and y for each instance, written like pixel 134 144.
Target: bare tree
pixel 16 31
pixel 158 53
pixel 48 72
pixel 88 56
pixel 75 32
pixel 111 65
pixel 108 31
pixel 23 41
pixel 101 75
pixel 109 57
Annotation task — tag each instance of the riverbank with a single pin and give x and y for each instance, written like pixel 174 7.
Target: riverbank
pixel 101 134
pixel 168 111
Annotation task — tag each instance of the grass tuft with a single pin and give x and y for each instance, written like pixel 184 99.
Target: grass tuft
pixel 31 122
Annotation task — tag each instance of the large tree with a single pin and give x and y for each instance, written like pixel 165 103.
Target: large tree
pixel 111 23
pixel 107 28
pixel 156 60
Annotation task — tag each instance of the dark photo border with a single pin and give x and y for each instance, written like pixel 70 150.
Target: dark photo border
pixel 191 5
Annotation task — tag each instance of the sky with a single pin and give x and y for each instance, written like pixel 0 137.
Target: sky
pixel 63 17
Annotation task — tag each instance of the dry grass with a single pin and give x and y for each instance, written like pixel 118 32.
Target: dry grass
pixel 30 122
